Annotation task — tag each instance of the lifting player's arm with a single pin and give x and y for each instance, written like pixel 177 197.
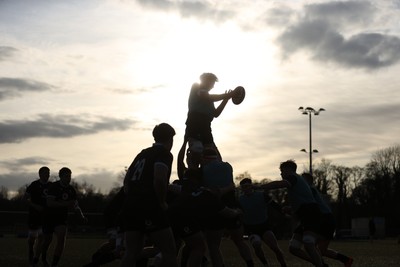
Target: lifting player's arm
pixel 276 185
pixel 180 160
pixel 160 183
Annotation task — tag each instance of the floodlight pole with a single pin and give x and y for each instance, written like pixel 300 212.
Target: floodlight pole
pixel 308 111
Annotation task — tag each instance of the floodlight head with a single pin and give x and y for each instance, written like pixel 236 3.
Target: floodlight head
pixel 303 150
pixel 309 109
pixel 301 108
pixel 315 151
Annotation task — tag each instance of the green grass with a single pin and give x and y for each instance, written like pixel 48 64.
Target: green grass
pixel 380 253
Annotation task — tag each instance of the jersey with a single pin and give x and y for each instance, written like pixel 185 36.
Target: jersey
pixel 37 192
pixel 219 174
pixel 139 180
pixel 112 212
pixel 323 206
pixel 299 192
pixel 254 207
pixel 198 104
pixel 60 193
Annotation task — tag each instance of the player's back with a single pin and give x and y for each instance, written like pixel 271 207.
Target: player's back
pixel 140 176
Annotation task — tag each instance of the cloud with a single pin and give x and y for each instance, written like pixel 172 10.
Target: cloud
pixel 18 164
pixel 59 126
pixel 319 33
pixel 13 87
pixel 7 52
pixel 278 16
pixel 338 13
pixel 197 9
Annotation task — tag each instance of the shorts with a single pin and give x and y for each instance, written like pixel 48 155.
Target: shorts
pixel 198 126
pixel 50 223
pixel 257 229
pixel 310 217
pixel 328 226
pixel 35 220
pixel 183 226
pixel 218 222
pixel 144 219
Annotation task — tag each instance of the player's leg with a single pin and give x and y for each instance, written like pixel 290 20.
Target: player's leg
pixel 309 241
pixel 323 246
pixel 48 230
pixel 60 232
pixel 38 246
pixel 270 239
pixel 32 236
pixel 213 239
pixel 295 247
pixel 164 240
pixel 244 250
pixel 196 246
pixel 256 243
pixel 133 247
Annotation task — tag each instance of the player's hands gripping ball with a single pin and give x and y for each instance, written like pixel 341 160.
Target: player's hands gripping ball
pixel 238 95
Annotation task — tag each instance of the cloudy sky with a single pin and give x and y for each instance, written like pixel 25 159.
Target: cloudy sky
pixel 82 83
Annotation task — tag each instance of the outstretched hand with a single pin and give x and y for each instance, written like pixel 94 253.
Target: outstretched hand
pixel 229 93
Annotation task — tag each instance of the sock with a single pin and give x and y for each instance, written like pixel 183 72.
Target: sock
pixel 342 257
pixel 30 255
pixel 56 259
pixel 35 260
pixel 141 262
pixel 44 256
pixel 250 263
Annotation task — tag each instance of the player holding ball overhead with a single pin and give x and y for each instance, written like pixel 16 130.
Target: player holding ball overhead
pixel 202 110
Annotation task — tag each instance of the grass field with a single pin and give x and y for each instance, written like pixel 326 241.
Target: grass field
pixel 380 253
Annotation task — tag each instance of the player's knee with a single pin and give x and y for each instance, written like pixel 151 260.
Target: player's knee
pixel 255 240
pixel 32 234
pixel 308 239
pixel 294 244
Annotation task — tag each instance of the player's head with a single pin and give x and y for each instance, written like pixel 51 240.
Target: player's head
pixel 65 175
pixel 44 174
pixel 164 133
pixel 208 80
pixel 246 185
pixel 288 167
pixel 308 177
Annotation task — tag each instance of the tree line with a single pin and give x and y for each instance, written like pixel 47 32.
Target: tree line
pixel 369 191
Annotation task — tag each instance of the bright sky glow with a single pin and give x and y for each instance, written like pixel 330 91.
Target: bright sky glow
pixel 82 83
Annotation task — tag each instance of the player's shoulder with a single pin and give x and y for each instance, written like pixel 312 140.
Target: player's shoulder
pixel 226 165
pixel 34 183
pixel 291 179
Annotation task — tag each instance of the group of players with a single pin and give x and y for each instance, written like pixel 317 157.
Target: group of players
pixel 151 217
pixel 49 203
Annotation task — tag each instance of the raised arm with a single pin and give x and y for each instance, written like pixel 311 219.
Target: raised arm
pixel 160 183
pixel 180 160
pixel 275 185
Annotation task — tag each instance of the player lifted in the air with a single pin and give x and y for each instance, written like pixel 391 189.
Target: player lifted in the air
pixel 202 110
